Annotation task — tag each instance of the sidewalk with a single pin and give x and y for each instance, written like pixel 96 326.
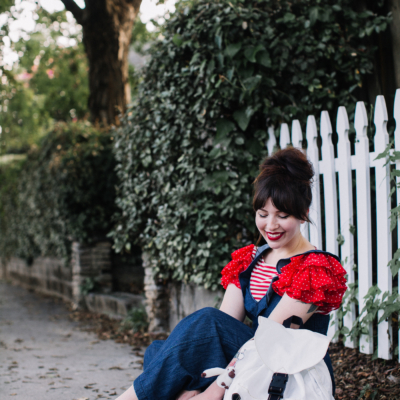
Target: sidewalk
pixel 44 355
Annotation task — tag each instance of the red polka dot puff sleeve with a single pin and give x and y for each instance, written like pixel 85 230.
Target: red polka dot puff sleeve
pixel 313 278
pixel 241 259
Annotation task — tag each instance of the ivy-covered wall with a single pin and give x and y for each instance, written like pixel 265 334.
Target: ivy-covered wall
pixel 192 141
pixel 63 191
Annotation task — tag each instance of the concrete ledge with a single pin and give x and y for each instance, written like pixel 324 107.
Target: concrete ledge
pixel 46 275
pixel 115 305
pixel 185 299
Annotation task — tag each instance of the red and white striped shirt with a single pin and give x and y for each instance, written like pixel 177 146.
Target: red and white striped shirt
pixel 261 277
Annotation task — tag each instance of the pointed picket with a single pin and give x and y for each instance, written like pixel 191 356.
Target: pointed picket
pixel 271 142
pixel 346 208
pixel 284 139
pixel 297 135
pixel 383 234
pixel 364 242
pixel 315 209
pixel 397 148
pixel 328 162
pixel 331 212
pixel 297 141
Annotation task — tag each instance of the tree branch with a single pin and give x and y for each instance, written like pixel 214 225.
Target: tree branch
pixel 76 11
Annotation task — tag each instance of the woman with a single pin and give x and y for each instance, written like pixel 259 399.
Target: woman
pixel 286 276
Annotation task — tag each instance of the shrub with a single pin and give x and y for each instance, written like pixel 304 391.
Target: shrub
pixel 9 177
pixel 190 145
pixel 65 192
pixel 136 320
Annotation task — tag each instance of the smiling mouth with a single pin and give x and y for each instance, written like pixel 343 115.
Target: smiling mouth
pixel 274 236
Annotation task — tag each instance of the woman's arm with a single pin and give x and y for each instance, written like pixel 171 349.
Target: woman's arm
pixel 233 303
pixel 288 307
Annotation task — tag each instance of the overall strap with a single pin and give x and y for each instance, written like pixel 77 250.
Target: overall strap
pixel 259 252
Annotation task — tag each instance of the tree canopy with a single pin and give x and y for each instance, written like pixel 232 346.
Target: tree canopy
pixel 48 82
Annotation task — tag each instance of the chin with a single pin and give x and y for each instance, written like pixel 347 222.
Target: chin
pixel 272 244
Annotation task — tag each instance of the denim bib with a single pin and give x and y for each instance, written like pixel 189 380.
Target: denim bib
pixel 317 323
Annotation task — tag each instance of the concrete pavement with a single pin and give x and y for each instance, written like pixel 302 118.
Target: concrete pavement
pixel 44 355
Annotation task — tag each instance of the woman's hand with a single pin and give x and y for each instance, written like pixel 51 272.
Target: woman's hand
pixel 187 394
pixel 213 392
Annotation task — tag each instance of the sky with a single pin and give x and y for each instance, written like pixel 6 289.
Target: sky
pixel 148 10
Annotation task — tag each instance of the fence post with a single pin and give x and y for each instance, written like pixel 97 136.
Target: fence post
pixel 284 139
pixel 315 209
pixel 383 234
pixel 346 209
pixel 271 142
pixel 331 212
pixel 397 148
pixel 297 141
pixel 364 242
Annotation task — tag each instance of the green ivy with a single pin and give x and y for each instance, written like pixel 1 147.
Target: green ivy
pixel 190 145
pixel 63 192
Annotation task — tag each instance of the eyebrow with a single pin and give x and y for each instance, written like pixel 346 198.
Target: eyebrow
pixel 263 209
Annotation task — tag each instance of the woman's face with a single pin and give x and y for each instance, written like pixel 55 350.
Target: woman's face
pixel 277 228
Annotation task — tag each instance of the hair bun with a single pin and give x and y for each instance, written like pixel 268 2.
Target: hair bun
pixel 286 178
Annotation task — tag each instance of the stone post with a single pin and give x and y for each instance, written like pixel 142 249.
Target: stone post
pixel 157 299
pixel 93 262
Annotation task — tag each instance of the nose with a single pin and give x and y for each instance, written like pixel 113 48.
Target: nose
pixel 273 224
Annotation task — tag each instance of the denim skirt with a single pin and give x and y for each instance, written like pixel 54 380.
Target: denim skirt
pixel 205 339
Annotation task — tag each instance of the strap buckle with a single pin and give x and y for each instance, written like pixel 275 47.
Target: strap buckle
pixel 278 385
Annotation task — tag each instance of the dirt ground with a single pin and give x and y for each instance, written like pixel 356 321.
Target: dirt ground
pixel 357 376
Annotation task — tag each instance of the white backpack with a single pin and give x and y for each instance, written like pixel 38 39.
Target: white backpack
pixel 278 363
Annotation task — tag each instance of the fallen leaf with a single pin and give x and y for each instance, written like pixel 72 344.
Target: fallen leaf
pixel 89 386
pixel 394 379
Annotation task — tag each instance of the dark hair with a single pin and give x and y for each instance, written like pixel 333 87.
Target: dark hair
pixel 286 178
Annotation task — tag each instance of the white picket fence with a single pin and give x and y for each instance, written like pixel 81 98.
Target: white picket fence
pixel 344 164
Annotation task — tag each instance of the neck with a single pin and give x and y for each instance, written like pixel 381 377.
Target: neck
pixel 296 246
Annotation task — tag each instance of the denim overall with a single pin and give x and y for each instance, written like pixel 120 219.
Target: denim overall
pixel 209 338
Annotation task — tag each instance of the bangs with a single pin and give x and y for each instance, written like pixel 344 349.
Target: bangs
pixel 285 195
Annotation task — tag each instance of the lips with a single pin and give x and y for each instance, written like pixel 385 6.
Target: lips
pixel 274 236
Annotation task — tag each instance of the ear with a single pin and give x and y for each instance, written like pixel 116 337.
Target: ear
pixel 308 211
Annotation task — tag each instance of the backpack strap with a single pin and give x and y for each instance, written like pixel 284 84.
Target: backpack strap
pixel 277 386
pixel 278 383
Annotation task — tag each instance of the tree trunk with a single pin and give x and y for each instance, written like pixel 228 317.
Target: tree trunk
pixel 107 27
pixel 395 30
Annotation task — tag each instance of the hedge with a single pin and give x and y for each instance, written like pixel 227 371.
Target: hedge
pixel 64 191
pixel 190 145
